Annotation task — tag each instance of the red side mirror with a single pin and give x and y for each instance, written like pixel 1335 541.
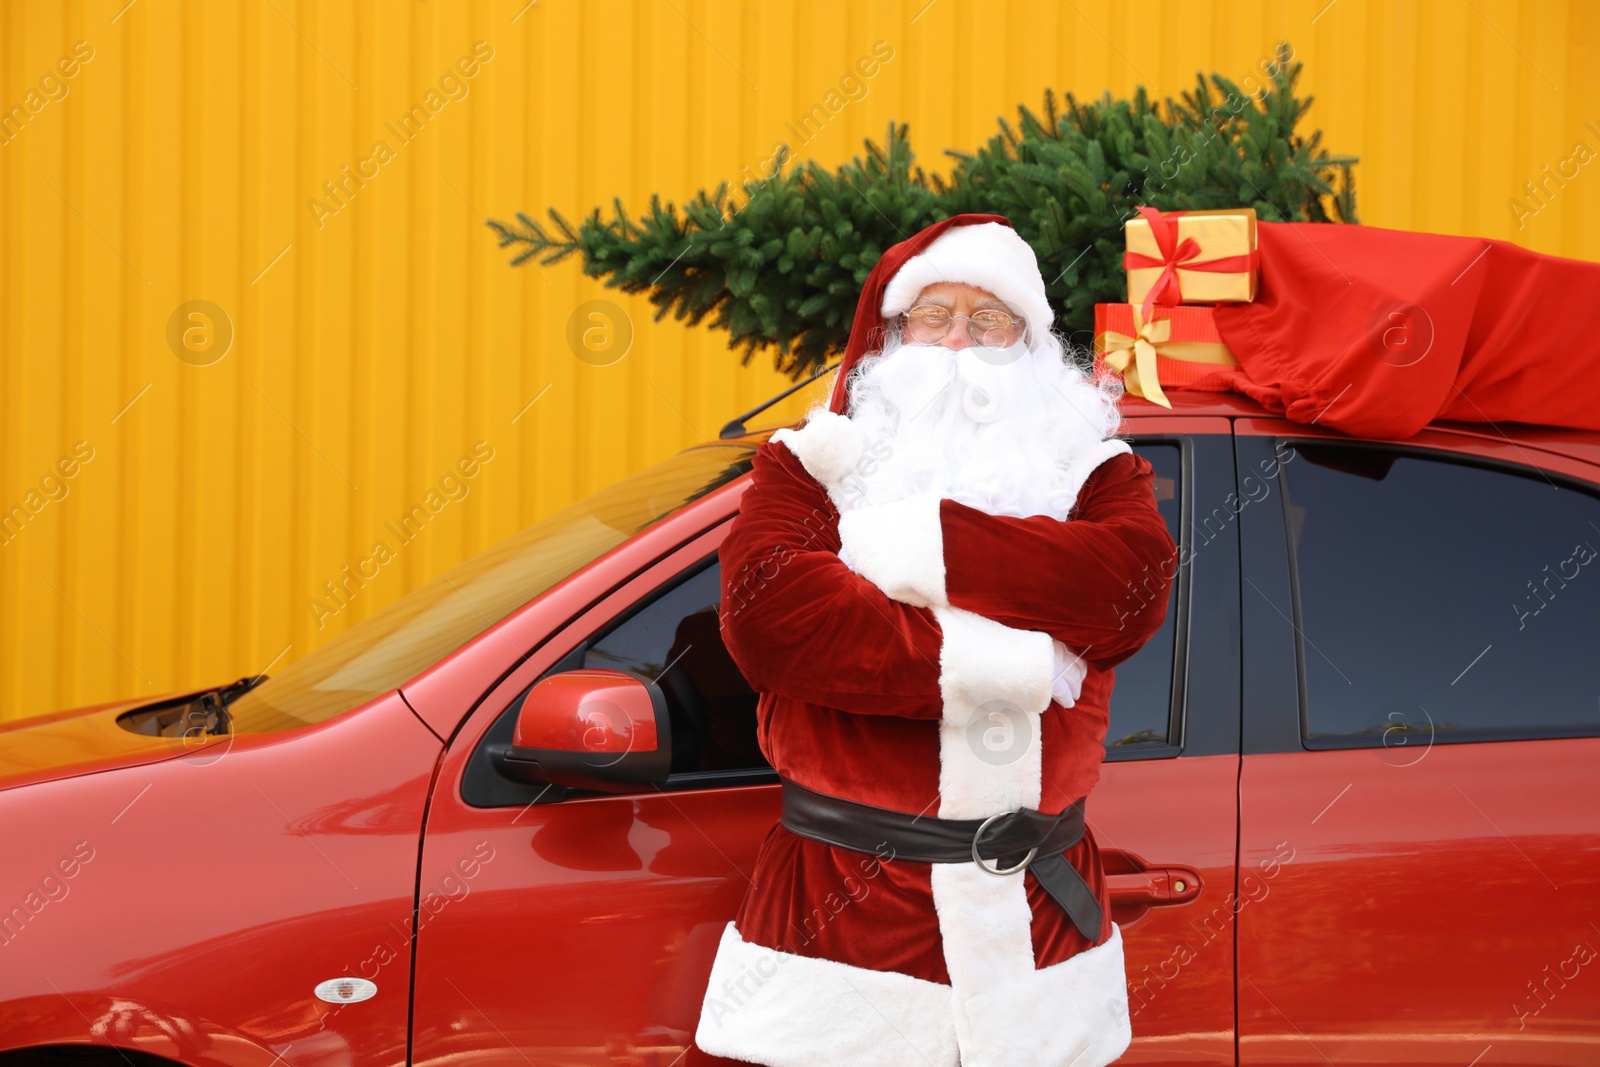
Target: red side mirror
pixel 592 729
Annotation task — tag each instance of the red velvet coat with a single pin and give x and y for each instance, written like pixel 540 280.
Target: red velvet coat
pixel 919 677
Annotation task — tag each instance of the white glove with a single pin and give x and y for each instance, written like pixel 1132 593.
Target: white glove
pixel 845 557
pixel 1070 670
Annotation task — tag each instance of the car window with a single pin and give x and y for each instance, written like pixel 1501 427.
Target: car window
pixel 1441 599
pixel 1141 702
pixel 674 640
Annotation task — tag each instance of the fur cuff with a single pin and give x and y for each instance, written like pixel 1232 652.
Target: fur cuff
pixel 899 547
pixel 982 661
pixel 828 446
pixel 1082 465
pixel 783 1010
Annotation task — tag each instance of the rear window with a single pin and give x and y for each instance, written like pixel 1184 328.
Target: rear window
pixel 1440 599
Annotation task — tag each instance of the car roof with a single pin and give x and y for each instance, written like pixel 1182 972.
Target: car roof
pixel 1581 445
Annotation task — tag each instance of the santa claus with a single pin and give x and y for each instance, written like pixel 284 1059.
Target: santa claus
pixel 923 583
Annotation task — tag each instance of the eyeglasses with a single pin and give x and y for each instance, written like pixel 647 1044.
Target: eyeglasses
pixel 929 324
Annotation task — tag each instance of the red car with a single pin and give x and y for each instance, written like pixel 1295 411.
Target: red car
pixel 1350 808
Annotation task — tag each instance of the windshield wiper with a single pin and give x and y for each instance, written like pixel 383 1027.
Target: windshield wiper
pixel 205 713
pixel 234 690
pixel 211 707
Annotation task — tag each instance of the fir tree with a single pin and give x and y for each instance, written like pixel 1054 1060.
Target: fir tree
pixel 782 265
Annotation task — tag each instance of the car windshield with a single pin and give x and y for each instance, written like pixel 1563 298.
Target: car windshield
pixel 425 625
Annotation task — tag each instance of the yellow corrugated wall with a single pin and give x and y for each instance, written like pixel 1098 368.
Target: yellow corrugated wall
pixel 377 337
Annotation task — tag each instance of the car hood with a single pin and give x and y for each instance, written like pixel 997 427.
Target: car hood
pixel 63 744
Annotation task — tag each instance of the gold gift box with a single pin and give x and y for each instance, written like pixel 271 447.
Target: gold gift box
pixel 1211 255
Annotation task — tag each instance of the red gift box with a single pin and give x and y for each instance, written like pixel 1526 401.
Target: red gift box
pixel 1177 346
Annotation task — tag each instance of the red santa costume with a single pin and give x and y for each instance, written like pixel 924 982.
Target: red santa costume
pixel 922 583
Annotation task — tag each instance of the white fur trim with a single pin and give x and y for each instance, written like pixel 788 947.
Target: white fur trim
pixel 776 1008
pixel 1084 464
pixel 995 681
pixel 1007 1012
pixel 985 922
pixel 899 547
pixel 829 445
pixel 988 255
pixel 1073 1012
pixel 981 660
pixel 989 765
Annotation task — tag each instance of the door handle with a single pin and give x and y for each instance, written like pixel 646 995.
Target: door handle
pixel 1135 886
pixel 1154 886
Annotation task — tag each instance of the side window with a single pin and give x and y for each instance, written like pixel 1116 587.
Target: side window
pixel 1141 702
pixel 1441 600
pixel 674 641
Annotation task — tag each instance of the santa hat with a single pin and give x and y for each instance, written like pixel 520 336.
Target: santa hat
pixel 980 250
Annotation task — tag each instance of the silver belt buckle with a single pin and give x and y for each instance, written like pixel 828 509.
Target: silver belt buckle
pixel 997 871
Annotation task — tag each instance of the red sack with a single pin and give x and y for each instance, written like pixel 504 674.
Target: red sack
pixel 1378 332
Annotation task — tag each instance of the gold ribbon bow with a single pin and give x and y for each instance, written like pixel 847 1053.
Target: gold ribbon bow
pixel 1135 357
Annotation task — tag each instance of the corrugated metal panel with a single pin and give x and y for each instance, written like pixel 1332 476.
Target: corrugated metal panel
pixel 378 336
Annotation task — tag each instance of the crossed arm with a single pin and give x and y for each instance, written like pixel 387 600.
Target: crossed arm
pixel 798 620
pixel 1097 584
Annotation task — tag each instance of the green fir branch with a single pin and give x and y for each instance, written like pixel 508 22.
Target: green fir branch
pixel 779 264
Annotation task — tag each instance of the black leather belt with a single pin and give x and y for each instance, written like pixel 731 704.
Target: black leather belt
pixel 1024 839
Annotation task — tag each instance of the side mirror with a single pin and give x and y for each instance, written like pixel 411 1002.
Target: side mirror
pixel 592 729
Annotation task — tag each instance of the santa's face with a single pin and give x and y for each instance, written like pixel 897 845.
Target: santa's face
pixel 991 425
pixel 957 315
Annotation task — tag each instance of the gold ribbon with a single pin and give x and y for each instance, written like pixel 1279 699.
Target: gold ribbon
pixel 1135 357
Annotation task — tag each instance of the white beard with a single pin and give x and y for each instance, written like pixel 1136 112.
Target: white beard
pixel 991 428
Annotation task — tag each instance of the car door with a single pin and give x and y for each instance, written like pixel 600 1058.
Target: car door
pixel 580 929
pixel 1165 809
pixel 565 927
pixel 1421 736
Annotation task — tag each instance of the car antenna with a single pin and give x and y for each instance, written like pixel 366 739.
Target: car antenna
pixel 736 427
